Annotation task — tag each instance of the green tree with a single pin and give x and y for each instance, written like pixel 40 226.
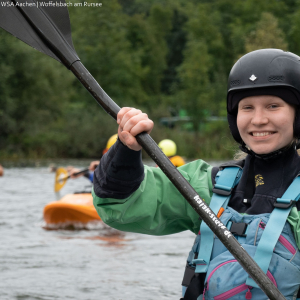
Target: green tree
pixel 29 97
pixel 100 38
pixel 201 71
pixel 147 37
pixel 195 94
pixel 294 32
pixel 266 35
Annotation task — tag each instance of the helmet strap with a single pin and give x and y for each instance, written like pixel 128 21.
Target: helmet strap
pixel 244 148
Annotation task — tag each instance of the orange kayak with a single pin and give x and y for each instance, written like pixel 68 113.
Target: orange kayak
pixel 71 208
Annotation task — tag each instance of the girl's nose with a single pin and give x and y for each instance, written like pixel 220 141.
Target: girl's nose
pixel 259 117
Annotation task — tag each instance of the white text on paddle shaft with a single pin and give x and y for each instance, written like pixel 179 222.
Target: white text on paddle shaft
pixel 212 215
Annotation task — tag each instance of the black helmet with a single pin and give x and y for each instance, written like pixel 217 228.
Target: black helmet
pixel 264 72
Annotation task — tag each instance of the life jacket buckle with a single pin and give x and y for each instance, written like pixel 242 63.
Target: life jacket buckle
pixel 284 203
pixel 199 261
pixel 239 229
pixel 222 190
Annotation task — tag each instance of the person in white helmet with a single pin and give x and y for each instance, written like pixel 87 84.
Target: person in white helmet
pixel 169 148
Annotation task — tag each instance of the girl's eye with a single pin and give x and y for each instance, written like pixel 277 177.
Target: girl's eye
pixel 273 106
pixel 247 107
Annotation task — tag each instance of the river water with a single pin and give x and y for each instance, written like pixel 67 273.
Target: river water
pixel 94 263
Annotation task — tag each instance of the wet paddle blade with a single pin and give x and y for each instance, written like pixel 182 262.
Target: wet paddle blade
pixel 23 21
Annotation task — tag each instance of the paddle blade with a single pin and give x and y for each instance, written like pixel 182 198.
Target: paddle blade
pixel 36 24
pixel 61 177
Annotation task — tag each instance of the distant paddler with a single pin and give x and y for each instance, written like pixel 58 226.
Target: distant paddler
pixel 169 148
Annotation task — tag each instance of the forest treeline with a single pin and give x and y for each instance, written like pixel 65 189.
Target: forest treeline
pixel 170 58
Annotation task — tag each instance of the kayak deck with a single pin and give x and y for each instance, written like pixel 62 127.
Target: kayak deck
pixel 71 208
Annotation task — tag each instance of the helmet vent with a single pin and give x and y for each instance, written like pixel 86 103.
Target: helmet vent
pixel 235 82
pixel 276 78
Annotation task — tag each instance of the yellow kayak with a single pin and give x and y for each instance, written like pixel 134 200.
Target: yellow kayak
pixel 71 208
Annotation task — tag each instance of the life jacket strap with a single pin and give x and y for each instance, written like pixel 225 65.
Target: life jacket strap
pixel 274 227
pixel 226 180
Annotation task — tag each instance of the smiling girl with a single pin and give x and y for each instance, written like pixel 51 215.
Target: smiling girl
pixel 263 114
pixel 265 123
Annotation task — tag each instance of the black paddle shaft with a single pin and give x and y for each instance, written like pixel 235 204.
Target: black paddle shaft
pixel 77 173
pixel 54 39
pixel 183 187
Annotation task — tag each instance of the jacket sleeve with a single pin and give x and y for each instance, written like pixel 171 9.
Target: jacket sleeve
pixel 119 173
pixel 156 207
pixel 294 220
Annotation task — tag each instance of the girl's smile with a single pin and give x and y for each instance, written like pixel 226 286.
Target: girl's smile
pixel 257 134
pixel 265 123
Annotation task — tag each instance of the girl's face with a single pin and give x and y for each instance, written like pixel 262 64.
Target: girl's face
pixel 265 123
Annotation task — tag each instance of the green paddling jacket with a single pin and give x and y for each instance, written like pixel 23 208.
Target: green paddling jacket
pixel 156 207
